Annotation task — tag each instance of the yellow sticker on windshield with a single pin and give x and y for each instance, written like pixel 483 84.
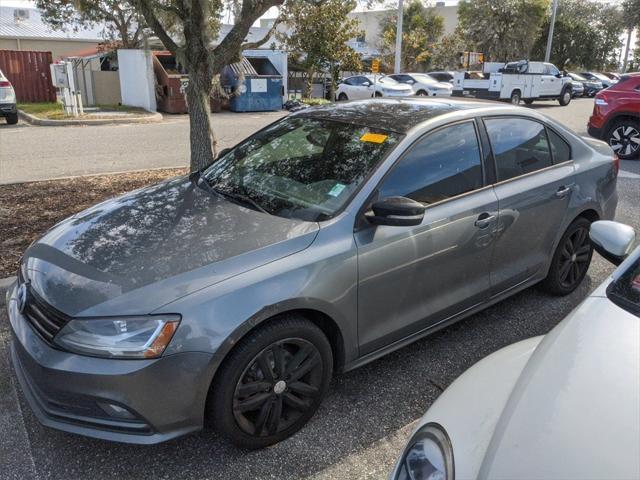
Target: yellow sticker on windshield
pixel 373 137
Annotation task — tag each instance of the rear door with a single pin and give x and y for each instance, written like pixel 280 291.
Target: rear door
pixel 533 195
pixel 411 278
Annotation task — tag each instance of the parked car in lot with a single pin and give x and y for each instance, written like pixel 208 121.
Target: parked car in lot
pixel 360 87
pixel 565 405
pixel 598 77
pixel 612 75
pixel 310 248
pixel 590 87
pixel 616 116
pixel 8 108
pixel 423 85
pixel 442 76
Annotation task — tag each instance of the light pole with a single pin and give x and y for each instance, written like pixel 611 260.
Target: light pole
pixel 547 55
pixel 396 66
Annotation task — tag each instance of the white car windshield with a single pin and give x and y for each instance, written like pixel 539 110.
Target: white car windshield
pixel 601 77
pixel 424 79
pixel 625 291
pixel 387 80
pixel 577 77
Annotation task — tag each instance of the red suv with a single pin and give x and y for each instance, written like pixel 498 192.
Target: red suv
pixel 616 116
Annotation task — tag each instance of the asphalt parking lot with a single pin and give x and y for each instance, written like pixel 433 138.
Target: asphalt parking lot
pixel 40 153
pixel 358 431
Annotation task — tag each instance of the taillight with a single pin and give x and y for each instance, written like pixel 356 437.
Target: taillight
pixel 4 83
pixel 616 163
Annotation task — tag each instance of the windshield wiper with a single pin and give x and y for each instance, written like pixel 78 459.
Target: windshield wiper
pixel 240 198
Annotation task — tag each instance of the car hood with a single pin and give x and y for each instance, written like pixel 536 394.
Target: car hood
pixel 573 414
pixel 134 253
pixel 439 86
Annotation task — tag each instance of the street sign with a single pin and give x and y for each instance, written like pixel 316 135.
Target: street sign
pixel 375 66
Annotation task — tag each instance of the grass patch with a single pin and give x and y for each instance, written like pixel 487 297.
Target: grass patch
pixel 27 210
pixel 53 111
pixel 315 101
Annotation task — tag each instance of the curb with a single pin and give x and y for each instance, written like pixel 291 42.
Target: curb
pixel 155 117
pixel 5 283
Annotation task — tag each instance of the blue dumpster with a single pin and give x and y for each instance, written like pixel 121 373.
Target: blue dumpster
pixel 262 87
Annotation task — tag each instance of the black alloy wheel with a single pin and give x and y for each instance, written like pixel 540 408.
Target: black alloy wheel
pixel 278 387
pixel 271 383
pixel 574 258
pixel 571 259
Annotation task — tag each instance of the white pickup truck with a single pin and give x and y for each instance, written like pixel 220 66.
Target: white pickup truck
pixel 514 81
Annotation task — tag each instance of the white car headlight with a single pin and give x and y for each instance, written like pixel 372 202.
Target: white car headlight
pixel 428 456
pixel 119 337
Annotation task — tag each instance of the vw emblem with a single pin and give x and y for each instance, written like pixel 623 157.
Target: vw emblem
pixel 22 297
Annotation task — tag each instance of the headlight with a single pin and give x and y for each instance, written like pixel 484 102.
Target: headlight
pixel 428 456
pixel 601 102
pixel 119 337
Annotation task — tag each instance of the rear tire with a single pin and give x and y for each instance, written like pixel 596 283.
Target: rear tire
pixel 528 101
pixel 571 259
pixel 421 93
pixel 377 95
pixel 515 97
pixel 343 97
pixel 624 138
pixel 272 382
pixel 565 97
pixel 12 118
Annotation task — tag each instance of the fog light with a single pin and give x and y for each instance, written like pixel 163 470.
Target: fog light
pixel 116 411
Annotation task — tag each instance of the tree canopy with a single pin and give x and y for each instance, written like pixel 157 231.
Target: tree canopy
pixel 502 29
pixel 421 29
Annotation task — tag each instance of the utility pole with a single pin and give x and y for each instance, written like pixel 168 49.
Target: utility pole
pixel 396 66
pixel 626 52
pixel 547 55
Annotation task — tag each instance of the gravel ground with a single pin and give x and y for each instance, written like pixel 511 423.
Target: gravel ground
pixel 357 433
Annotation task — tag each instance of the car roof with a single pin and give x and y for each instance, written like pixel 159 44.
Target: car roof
pixel 397 115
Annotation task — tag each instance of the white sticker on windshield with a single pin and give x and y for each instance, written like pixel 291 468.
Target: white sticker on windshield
pixel 337 189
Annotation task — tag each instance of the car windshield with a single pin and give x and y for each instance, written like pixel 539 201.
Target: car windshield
pixel 387 80
pixel 577 77
pixel 300 167
pixel 625 291
pixel 424 79
pixel 601 76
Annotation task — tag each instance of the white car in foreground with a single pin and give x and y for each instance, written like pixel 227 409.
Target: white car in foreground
pixel 360 87
pixel 423 85
pixel 8 108
pixel 562 406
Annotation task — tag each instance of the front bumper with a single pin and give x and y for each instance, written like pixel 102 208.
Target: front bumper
pixel 594 131
pixel 8 108
pixel 165 397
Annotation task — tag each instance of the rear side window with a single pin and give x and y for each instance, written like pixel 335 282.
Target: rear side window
pixel 441 165
pixel 559 147
pixel 519 146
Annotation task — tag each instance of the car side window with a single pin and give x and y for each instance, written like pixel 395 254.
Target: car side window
pixel 559 147
pixel 349 81
pixel 519 146
pixel 441 165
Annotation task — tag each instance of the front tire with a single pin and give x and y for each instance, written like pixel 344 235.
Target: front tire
pixel 565 97
pixel 571 259
pixel 272 383
pixel 515 97
pixel 421 93
pixel 343 97
pixel 624 138
pixel 12 118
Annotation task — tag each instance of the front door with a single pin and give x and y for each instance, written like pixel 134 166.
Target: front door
pixel 411 278
pixel 534 194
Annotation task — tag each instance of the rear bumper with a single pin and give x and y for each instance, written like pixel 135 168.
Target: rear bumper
pixel 8 108
pixel 164 397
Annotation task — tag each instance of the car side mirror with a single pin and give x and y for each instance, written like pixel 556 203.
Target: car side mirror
pixel 366 84
pixel 396 212
pixel 410 82
pixel 612 240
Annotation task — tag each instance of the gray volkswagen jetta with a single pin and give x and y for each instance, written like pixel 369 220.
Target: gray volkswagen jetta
pixel 322 242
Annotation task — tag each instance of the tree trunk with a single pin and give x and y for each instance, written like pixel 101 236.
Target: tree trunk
pixel 308 86
pixel 200 138
pixel 626 52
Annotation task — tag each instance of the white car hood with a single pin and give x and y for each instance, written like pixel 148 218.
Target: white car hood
pixel 575 411
pixel 439 85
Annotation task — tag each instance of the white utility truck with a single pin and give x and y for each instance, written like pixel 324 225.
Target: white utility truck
pixel 515 81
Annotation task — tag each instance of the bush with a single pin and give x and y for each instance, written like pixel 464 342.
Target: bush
pixel 315 101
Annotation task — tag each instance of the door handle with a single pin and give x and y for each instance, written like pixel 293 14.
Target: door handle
pixel 563 191
pixel 484 220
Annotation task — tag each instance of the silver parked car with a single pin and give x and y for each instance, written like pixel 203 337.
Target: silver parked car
pixel 324 241
pixel 566 405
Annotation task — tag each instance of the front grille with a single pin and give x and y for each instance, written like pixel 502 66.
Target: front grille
pixel 45 320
